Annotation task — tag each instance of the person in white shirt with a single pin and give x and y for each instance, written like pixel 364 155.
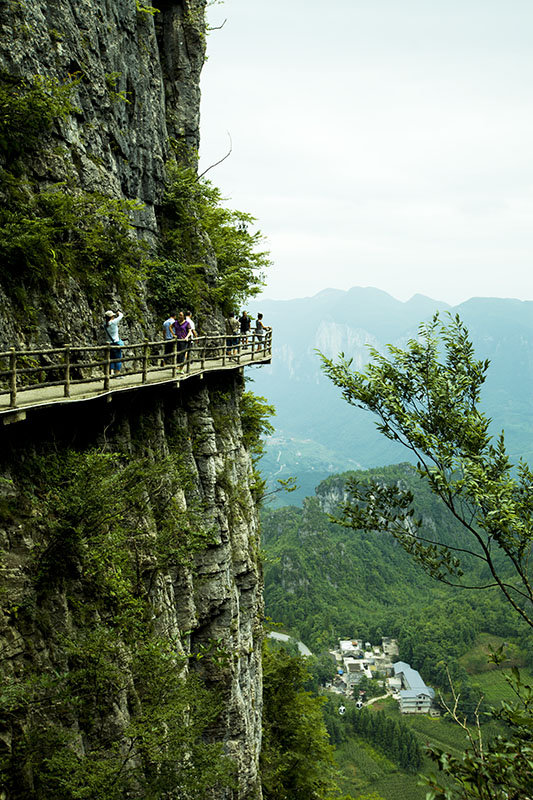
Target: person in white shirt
pixel 112 318
pixel 169 336
pixel 191 324
pixel 193 333
pixel 260 329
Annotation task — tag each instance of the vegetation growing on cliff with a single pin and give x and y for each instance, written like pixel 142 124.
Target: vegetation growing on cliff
pixel 47 237
pixel 28 111
pixel 111 708
pixel 198 229
pixel 51 234
pixel 256 414
pixel 207 257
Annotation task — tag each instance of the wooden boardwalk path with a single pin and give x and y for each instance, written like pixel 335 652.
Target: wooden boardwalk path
pixel 31 379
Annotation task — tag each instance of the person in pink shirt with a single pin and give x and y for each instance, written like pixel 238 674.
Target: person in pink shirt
pixel 183 332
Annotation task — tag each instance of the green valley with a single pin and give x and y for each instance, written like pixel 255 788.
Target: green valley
pixel 324 581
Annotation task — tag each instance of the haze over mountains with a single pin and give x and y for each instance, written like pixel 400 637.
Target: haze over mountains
pixel 318 433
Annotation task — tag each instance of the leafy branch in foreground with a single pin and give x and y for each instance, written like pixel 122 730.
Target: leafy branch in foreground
pixel 426 398
pixel 499 770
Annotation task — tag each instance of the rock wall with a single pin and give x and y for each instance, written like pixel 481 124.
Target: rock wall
pixel 212 599
pixel 137 98
pixel 67 585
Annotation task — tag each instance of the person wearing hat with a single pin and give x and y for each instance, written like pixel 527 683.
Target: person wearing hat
pixel 112 318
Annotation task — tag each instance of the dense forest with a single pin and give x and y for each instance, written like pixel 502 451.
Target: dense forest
pixel 324 581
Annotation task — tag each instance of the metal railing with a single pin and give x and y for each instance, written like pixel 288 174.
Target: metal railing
pixel 22 370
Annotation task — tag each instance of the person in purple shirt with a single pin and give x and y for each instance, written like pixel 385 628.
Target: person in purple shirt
pixel 182 329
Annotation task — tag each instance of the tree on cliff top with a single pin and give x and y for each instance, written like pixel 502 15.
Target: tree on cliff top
pixel 426 397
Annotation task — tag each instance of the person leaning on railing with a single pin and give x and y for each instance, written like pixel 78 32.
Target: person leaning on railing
pixel 112 318
pixel 260 329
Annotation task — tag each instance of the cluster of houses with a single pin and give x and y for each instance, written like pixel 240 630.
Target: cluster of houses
pixel 355 659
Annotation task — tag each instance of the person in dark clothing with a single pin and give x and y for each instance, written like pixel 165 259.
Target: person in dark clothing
pixel 245 322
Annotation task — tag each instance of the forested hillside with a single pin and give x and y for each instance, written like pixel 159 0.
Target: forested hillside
pixel 323 581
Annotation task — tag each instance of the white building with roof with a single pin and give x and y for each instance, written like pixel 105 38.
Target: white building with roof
pixel 348 647
pixel 415 696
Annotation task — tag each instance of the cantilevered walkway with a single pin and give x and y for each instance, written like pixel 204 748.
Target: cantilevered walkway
pixel 31 379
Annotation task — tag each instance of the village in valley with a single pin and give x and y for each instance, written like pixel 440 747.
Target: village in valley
pixel 357 660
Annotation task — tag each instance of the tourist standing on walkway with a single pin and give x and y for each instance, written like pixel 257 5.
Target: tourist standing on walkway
pixel 194 332
pixel 169 336
pixel 260 329
pixel 112 318
pixel 232 328
pixel 182 329
pixel 244 322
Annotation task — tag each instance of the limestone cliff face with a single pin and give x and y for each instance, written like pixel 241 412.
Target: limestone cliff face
pixel 188 551
pixel 207 605
pixel 332 494
pixel 137 97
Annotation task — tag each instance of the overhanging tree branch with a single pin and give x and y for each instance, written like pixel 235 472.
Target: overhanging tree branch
pixel 426 398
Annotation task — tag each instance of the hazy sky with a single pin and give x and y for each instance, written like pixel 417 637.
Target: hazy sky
pixel 381 143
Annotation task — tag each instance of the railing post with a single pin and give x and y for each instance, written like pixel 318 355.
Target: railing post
pixel 13 378
pixel 67 371
pixel 174 356
pixel 145 360
pixel 107 367
pixel 253 346
pixel 202 356
pixel 239 345
pixel 188 356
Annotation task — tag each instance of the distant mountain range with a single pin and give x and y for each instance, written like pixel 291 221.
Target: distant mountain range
pixel 317 433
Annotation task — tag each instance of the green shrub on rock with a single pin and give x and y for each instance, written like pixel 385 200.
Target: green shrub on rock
pixel 197 232
pixel 29 108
